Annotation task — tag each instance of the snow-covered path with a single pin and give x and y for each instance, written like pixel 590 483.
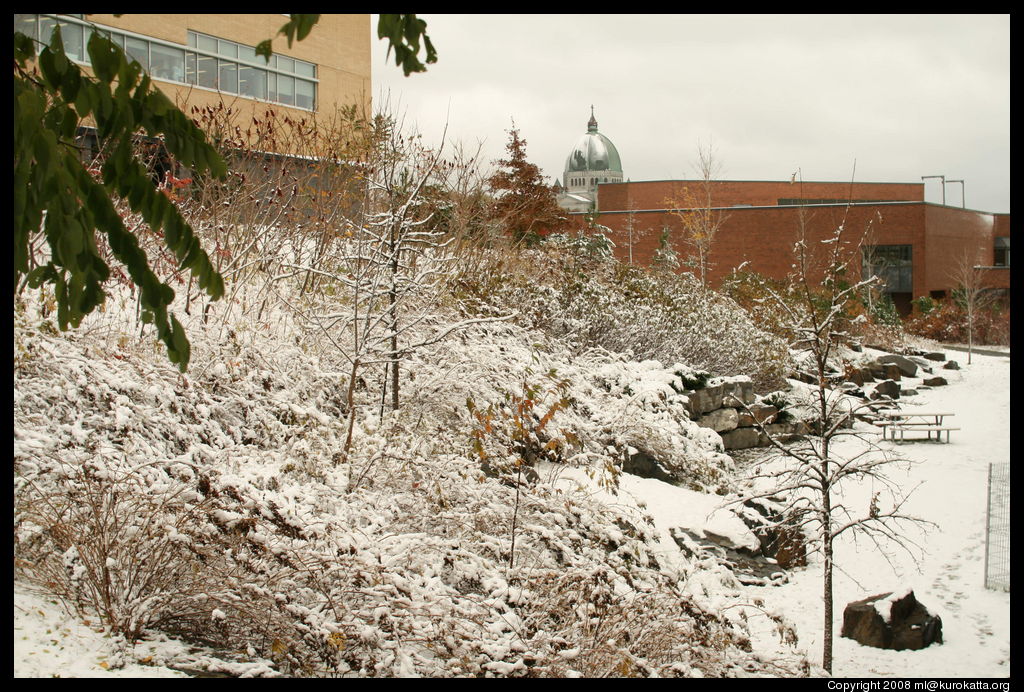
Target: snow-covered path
pixel 949 579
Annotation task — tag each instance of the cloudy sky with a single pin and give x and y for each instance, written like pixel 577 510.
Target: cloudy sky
pixel 902 96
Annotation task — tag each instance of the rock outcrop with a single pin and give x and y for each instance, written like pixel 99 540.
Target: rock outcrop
pixel 891 621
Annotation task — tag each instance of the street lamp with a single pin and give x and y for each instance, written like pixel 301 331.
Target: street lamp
pixel 943 185
pixel 963 202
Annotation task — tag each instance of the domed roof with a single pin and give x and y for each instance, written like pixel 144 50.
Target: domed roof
pixel 593 152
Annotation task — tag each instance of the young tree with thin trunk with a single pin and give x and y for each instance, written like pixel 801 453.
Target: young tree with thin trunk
pixel 971 293
pixel 694 207
pixel 815 474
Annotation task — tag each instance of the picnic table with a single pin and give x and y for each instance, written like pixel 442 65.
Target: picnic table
pixel 902 422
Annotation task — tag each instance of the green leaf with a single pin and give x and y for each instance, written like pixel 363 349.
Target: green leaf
pixel 24 48
pixel 264 48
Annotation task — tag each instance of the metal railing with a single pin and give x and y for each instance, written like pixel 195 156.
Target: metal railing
pixel 997 528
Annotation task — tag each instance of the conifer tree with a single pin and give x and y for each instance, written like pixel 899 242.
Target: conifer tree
pixel 525 204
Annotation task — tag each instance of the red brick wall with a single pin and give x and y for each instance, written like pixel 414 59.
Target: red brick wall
pixel 727 193
pixel 952 233
pixel 764 237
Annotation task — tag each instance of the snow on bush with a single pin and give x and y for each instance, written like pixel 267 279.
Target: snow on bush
pixel 213 506
pixel 623 308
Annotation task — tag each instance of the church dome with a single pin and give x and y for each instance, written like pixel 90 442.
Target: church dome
pixel 593 152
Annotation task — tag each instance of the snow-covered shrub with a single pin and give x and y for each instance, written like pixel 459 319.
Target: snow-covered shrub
pixel 212 506
pixel 651 315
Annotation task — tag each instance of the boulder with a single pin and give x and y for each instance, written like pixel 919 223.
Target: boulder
pixel 720 420
pixel 891 621
pixel 887 388
pixel 938 357
pixel 748 568
pixel 736 394
pixel 758 413
pixel 935 382
pixel 891 371
pixel 741 438
pixel 705 400
pixel 642 464
pixel 907 367
pixel 951 365
pixel 780 540
pixel 783 432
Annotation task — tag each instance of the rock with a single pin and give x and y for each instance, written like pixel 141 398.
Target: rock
pixel 951 365
pixel 856 347
pixel 906 366
pixel 935 382
pixel 741 438
pixel 644 465
pixel 779 540
pixel 705 400
pixel 736 394
pixel 749 569
pixel 908 392
pixel 939 357
pixel 783 432
pixel 891 371
pixel 888 622
pixel 759 413
pixel 887 388
pixel 721 420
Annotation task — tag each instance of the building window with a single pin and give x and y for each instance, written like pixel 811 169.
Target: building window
pixel 207 61
pixel 1002 252
pixel 892 264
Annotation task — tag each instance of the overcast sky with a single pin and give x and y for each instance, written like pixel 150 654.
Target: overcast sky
pixel 903 96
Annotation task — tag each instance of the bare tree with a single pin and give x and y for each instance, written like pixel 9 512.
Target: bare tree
pixel 390 269
pixel 694 206
pixel 971 293
pixel 813 472
pixel 634 233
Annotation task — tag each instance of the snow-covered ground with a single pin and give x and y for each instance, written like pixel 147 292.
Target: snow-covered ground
pixel 947 576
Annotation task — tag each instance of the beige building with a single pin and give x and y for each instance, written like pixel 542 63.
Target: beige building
pixel 208 59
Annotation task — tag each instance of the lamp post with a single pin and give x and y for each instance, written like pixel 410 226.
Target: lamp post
pixel 963 202
pixel 943 185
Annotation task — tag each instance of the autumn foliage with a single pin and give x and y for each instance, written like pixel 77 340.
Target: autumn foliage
pixel 525 205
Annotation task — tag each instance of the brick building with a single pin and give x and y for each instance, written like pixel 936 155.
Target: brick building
pixel 913 245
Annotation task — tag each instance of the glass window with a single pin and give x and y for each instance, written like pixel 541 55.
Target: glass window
pixel 252 82
pixel 26 24
pixel 228 76
pixel 1002 252
pixel 286 89
pixel 271 86
pixel 137 49
pixel 46 29
pixel 248 54
pixel 168 63
pixel 892 264
pixel 190 68
pixel 227 48
pixel 206 43
pixel 285 64
pixel 73 35
pixel 206 72
pixel 305 69
pixel 304 93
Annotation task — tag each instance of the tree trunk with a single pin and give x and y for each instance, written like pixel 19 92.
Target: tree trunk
pixel 826 655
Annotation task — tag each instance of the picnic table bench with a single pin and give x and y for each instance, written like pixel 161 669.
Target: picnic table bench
pixel 900 422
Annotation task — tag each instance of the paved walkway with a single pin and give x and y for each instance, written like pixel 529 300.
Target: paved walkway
pixel 982 351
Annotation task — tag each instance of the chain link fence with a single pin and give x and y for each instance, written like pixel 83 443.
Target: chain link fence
pixel 997 528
